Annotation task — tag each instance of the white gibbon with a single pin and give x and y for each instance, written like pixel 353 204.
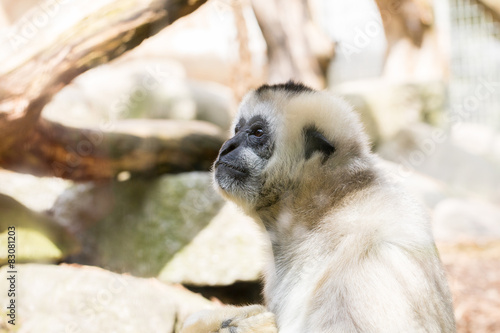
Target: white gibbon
pixel 351 251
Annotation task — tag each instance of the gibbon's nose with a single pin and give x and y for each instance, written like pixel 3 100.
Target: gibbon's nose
pixel 229 146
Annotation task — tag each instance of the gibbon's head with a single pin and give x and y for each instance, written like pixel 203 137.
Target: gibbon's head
pixel 285 137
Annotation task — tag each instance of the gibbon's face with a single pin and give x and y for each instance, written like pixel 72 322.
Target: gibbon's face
pixel 242 159
pixel 282 135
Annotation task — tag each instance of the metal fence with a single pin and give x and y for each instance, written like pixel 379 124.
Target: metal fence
pixel 475 64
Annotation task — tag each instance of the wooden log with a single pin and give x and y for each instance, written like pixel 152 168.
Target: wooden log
pixel 296 48
pixel 140 147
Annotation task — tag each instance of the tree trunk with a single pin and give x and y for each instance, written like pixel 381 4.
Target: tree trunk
pixel 296 48
pixel 492 7
pixel 405 19
pixel 414 51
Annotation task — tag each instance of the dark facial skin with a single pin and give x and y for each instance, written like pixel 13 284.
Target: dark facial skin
pixel 252 134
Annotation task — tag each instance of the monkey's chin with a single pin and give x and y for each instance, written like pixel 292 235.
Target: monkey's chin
pixel 232 188
pixel 228 185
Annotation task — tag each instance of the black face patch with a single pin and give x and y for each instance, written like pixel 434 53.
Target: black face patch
pixel 251 134
pixel 254 133
pixel 290 86
pixel 315 141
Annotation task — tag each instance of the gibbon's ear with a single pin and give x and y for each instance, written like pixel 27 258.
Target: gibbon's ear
pixel 315 141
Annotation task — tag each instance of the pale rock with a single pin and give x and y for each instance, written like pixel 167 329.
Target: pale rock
pixel 477 139
pixel 136 226
pixel 458 220
pixel 36 235
pixel 386 107
pixel 431 151
pixel 427 190
pixel 91 300
pixel 230 249
pixel 36 193
pixel 139 88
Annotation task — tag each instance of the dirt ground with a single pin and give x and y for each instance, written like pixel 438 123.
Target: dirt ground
pixel 474 277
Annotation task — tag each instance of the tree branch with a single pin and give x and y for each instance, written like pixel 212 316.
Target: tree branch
pixel 89 154
pixel 103 35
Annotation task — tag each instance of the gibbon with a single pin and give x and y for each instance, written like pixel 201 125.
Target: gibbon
pixel 351 251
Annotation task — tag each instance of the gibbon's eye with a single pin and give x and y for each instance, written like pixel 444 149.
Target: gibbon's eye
pixel 257 132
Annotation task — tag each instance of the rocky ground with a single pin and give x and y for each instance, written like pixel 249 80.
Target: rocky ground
pixel 74 298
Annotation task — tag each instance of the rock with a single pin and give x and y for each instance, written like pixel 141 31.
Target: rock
pixel 176 227
pixel 365 112
pixel 477 139
pixel 431 151
pixel 137 225
pixel 386 108
pixel 88 299
pixel 38 237
pixel 36 193
pixel 139 88
pixel 230 249
pixel 215 103
pixel 183 99
pixel 455 218
pixel 177 130
pixel 427 190
pixel 83 205
pixel 459 220
pixel 109 92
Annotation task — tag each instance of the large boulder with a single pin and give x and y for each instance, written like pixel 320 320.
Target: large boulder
pixel 136 226
pixel 458 220
pixel 88 299
pixel 458 212
pixel 425 189
pixel 433 152
pixel 140 88
pixel 230 249
pixel 36 193
pixel 37 236
pixel 387 107
pixel 477 139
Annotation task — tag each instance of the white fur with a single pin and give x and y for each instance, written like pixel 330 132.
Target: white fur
pixel 363 262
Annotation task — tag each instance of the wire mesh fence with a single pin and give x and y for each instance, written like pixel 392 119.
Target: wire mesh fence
pixel 475 64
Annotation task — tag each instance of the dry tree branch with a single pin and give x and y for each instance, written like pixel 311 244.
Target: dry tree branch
pixel 31 144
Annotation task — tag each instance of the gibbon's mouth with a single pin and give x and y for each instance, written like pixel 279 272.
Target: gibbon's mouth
pixel 235 169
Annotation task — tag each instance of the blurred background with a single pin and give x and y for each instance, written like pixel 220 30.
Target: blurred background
pixel 112 112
